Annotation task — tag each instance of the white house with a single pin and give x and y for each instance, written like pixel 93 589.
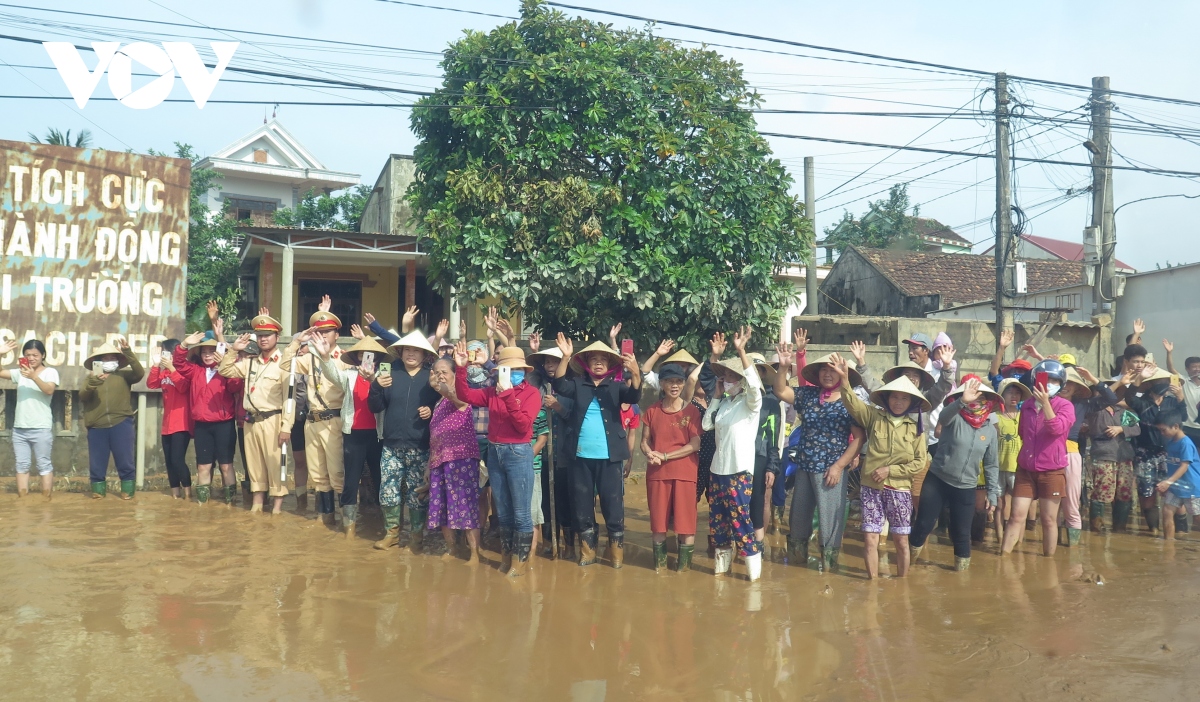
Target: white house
pixel 268 169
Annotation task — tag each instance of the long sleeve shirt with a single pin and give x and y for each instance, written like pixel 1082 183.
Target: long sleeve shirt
pixel 211 396
pixel 510 413
pixel 963 448
pixel 936 393
pixel 1151 439
pixel 1044 441
pixel 321 393
pixel 1102 396
pixel 176 413
pixel 736 422
pixel 1105 447
pixel 266 388
pixel 894 444
pixel 106 403
pixel 401 404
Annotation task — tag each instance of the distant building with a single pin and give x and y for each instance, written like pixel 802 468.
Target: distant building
pixel 1039 247
pixel 892 283
pixel 934 236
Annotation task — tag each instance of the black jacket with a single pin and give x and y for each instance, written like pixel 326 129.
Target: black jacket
pixel 402 426
pixel 611 396
pixel 1148 413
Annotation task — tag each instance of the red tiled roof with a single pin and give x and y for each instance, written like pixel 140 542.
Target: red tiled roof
pixel 960 277
pixel 1065 250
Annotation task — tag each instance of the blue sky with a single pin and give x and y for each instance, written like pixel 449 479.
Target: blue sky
pixel 1147 49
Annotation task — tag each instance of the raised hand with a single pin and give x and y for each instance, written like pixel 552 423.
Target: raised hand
pixel 122 343
pixel 490 319
pixel 242 342
pixel 800 339
pixel 535 342
pixel 357 332
pixel 741 337
pixel 462 328
pixel 409 319
pixel 8 347
pixel 839 365
pixel 612 334
pixel 784 350
pixel 188 341
pixel 1139 327
pixel 945 354
pixel 304 336
pixel 1086 375
pixel 325 303
pixel 264 311
pixel 213 311
pixel 664 347
pixel 1006 338
pixel 443 328
pixel 369 318
pixel 717 344
pixel 971 391
pixel 317 343
pixel 505 329
pixel 859 351
pixel 1168 346
pixel 218 327
pixel 566 346
pixel 460 353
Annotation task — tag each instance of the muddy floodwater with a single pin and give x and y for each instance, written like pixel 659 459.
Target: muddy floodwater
pixel 157 599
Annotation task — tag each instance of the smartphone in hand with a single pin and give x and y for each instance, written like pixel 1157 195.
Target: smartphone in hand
pixel 23 362
pixel 626 346
pixel 97 368
pixel 368 361
pixel 504 375
pixel 1041 380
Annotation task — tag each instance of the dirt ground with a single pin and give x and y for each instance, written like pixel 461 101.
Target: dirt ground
pixel 157 599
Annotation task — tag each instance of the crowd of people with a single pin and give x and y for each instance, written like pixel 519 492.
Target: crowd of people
pixel 461 435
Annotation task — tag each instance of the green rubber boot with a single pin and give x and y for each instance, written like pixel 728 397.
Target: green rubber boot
pixel 685 558
pixel 203 492
pixel 1096 516
pixel 829 560
pixel 99 490
pixel 660 557
pixel 391 525
pixel 1120 515
pixel 127 489
pixel 1073 536
pixel 229 493
pixel 797 552
pixel 962 564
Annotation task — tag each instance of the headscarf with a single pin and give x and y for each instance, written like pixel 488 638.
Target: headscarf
pixel 975 416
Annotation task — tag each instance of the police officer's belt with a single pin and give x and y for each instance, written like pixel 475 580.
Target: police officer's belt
pixel 325 415
pixel 252 417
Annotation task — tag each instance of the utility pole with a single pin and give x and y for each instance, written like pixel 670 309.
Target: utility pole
pixel 1004 241
pixel 810 211
pixel 1104 303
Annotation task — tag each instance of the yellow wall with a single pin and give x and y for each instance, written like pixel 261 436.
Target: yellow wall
pixel 382 300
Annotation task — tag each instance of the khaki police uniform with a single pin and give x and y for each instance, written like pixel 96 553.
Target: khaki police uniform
pixel 323 431
pixel 267 410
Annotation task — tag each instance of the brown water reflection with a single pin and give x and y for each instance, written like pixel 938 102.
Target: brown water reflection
pixel 164 600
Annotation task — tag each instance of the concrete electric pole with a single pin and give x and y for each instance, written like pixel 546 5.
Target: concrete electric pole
pixel 1104 291
pixel 810 211
pixel 1005 248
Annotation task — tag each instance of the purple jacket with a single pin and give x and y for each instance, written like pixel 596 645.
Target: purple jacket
pixel 1043 441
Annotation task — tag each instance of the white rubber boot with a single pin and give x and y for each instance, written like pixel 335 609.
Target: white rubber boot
pixel 754 566
pixel 723 561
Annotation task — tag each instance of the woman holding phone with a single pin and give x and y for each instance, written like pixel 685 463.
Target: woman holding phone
pixel 108 414
pixel 33 425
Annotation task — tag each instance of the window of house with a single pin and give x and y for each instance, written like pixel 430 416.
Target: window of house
pixel 243 209
pixel 345 294
pixel 429 301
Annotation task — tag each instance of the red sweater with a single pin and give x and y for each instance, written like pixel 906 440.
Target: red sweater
pixel 212 400
pixel 175 392
pixel 510 413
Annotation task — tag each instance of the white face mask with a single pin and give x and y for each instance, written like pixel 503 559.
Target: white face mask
pixel 731 388
pixel 1052 390
pixel 109 366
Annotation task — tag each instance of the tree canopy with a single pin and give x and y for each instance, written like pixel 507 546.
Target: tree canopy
pixel 342 211
pixel 587 176
pixel 885 225
pixel 54 137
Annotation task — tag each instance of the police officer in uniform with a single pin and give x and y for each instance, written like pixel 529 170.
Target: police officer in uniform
pixel 269 415
pixel 323 431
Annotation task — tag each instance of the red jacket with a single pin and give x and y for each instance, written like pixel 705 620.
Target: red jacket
pixel 175 392
pixel 212 400
pixel 510 413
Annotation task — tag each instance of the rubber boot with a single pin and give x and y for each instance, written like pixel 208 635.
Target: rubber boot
pixel 202 493
pixel 961 564
pixel 829 560
pixel 506 550
pixel 1073 536
pixel 660 556
pixel 566 547
pixel 350 520
pixel 776 519
pixel 391 522
pixel 616 549
pixel 302 502
pixel 978 522
pixel 325 505
pixel 915 553
pixel 99 490
pixel 587 547
pixel 1182 525
pixel 1096 514
pixel 1121 511
pixel 723 561
pixel 684 562
pixel 524 545
pixel 1064 536
pixel 1152 519
pixel 229 495
pixel 416 525
pixel 127 489
pixel 798 552
pixel 754 566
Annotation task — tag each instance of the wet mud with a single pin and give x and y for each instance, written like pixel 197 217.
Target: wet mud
pixel 159 599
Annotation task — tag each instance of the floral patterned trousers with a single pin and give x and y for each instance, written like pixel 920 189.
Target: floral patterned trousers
pixel 454 494
pixel 402 471
pixel 1111 480
pixel 729 513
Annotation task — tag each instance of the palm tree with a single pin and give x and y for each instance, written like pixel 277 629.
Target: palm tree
pixel 57 138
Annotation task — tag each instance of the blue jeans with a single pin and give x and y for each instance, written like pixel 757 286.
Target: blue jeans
pixel 510 470
pixel 119 442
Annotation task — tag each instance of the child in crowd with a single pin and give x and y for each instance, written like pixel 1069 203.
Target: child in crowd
pixel 1181 489
pixel 1013 392
pixel 177 419
pixel 671 442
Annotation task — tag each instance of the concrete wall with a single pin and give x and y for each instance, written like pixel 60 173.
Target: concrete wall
pixel 1168 301
pixel 387 211
pixel 234 186
pixel 985 311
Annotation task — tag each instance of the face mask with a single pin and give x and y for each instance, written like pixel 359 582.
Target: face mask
pixel 516 376
pixel 731 388
pixel 109 366
pixel 1052 390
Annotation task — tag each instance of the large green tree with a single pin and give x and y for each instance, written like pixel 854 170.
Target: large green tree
pixel 588 176
pixel 885 225
pixel 342 211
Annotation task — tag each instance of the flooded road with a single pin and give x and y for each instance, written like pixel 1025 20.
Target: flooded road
pixel 160 599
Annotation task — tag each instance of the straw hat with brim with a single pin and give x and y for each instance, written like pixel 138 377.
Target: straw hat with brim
pixel 614 361
pixel 1158 376
pixel 1007 383
pixel 513 357
pixel 414 339
pixel 1083 391
pixel 730 370
pixel 682 356
pixel 105 350
pixel 765 370
pixel 812 370
pixel 904 385
pixel 984 390
pixel 894 372
pixel 353 355
pixel 541 356
pixel 193 352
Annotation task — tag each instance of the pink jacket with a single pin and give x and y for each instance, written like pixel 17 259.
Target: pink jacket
pixel 1044 441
